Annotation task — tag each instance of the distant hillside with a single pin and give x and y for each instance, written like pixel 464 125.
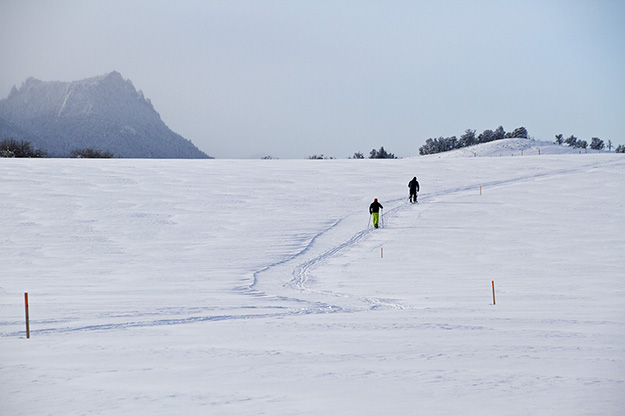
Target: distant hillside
pixel 511 147
pixel 105 113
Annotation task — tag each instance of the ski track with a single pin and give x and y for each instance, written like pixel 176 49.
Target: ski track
pixel 300 272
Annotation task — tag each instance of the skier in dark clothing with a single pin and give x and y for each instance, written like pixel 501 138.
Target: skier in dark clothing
pixel 414 188
pixel 374 210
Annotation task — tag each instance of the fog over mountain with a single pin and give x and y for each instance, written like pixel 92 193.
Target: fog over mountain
pixel 105 113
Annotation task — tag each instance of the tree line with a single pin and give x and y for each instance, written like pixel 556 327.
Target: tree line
pixel 469 138
pixel 380 153
pixel 25 149
pixel 595 143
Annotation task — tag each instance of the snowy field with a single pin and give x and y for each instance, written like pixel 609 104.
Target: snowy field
pixel 255 287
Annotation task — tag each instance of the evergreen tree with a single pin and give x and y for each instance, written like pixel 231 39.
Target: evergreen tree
pixel 597 144
pixel 19 148
pixel 90 154
pixel 486 136
pixel 450 143
pixel 427 148
pixel 381 154
pixel 572 141
pixel 559 139
pixel 518 133
pixel 467 139
pixel 500 133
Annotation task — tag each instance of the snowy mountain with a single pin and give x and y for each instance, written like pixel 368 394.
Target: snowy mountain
pixel 105 113
pixel 10 130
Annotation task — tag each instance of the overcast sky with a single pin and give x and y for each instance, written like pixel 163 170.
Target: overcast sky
pixel 295 78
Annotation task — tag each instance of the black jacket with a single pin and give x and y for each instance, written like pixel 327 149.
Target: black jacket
pixel 414 185
pixel 375 207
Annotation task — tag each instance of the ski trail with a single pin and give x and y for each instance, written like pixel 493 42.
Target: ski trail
pixel 300 284
pixel 300 273
pixel 172 321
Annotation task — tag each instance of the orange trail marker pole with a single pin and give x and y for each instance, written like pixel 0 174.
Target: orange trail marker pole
pixel 27 317
pixel 493 292
pixel 381 252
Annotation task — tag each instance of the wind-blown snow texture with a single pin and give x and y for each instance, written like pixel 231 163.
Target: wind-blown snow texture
pixel 255 287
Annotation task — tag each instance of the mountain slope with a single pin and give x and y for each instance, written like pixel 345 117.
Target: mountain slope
pixel 105 113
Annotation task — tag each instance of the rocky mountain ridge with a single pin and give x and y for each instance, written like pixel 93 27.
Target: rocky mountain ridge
pixel 105 113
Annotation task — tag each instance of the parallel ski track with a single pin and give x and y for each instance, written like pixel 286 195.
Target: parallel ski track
pixel 167 322
pixel 300 273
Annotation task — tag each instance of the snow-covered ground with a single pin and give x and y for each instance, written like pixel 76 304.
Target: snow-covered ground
pixel 514 147
pixel 250 287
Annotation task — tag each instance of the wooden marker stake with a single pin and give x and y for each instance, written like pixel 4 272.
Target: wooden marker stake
pixel 381 252
pixel 493 292
pixel 27 317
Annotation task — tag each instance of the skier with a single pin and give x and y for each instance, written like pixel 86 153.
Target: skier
pixel 414 188
pixel 374 210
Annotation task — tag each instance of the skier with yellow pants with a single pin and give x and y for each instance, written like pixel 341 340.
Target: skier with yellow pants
pixel 374 210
